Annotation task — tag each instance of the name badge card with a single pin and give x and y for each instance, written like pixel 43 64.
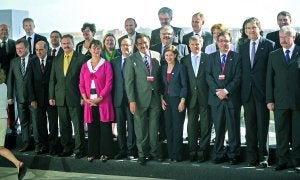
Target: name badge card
pixel 222 77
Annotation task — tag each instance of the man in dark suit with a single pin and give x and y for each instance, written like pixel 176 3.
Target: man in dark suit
pixel 223 75
pixel 142 85
pixel 254 58
pixel 130 26
pixel 7 53
pixel 122 112
pixel 166 39
pixel 165 16
pixel 18 79
pixel 31 36
pixel 64 93
pixel 197 105
pixel 198 21
pixel 283 97
pixel 284 18
pixel 39 75
pixel 55 50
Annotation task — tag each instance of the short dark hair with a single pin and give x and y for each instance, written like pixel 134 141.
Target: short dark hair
pixel 55 31
pixel 141 35
pixel 91 26
pixel 68 36
pixel 24 41
pixel 165 10
pixel 28 20
pixel 284 13
pixel 96 43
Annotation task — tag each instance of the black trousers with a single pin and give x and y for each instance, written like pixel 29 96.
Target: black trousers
pixel 100 139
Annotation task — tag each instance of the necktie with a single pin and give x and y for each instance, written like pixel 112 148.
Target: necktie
pixel 223 61
pixel 146 63
pixel 53 52
pixel 123 66
pixel 66 64
pixel 42 66
pixel 23 66
pixel 195 58
pixel 287 56
pixel 29 42
pixel 252 55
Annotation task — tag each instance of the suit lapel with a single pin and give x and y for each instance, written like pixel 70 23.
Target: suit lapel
pixel 229 60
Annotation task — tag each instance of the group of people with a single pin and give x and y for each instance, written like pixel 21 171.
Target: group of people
pixel 147 85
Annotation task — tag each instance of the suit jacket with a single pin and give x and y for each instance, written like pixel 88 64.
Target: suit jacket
pixel 78 49
pixel 138 89
pixel 16 80
pixel 60 51
pixel 39 82
pixel 231 82
pixel 274 36
pixel 177 85
pixel 283 80
pixel 182 51
pixel 38 38
pixel 7 55
pixel 126 36
pixel 254 79
pixel 207 39
pixel 119 93
pixel 197 85
pixel 177 36
pixel 64 89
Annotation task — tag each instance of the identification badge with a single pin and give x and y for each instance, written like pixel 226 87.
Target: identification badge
pixel 150 78
pixel 222 77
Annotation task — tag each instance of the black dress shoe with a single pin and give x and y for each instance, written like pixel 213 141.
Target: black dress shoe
pixel 65 154
pixel 280 167
pixel 79 155
pixel 297 169
pixel 24 148
pixel 120 155
pixel 43 150
pixel 219 160
pixel 22 171
pixel 158 159
pixel 233 161
pixel 148 157
pixel 142 161
pixel 201 159
pixel 253 163
pixel 193 156
pixel 263 164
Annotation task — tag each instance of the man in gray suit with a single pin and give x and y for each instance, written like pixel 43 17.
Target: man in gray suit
pixel 198 21
pixel 165 16
pixel 197 106
pixel 18 79
pixel 64 93
pixel 142 85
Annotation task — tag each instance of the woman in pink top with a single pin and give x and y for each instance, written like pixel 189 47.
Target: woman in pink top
pixel 95 86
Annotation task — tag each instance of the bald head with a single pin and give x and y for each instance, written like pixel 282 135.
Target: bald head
pixel 41 49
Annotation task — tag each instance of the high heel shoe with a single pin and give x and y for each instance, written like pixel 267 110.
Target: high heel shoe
pixel 90 159
pixel 22 171
pixel 104 158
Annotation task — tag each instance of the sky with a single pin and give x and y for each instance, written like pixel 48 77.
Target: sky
pixel 69 15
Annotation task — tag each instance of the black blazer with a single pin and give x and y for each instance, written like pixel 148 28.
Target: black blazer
pixel 7 55
pixel 232 78
pixel 182 51
pixel 207 39
pixel 197 85
pixel 60 51
pixel 118 82
pixel 39 82
pixel 126 36
pixel 78 49
pixel 178 81
pixel 283 80
pixel 38 38
pixel 255 78
pixel 177 36
pixel 16 80
pixel 274 36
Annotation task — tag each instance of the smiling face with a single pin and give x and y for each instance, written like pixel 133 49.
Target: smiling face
pixel 67 45
pixel 252 31
pixel 224 42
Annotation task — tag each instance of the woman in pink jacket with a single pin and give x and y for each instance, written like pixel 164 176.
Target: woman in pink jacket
pixel 95 86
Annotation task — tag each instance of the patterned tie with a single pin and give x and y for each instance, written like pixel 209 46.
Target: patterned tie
pixel 223 61
pixel 42 66
pixel 287 56
pixel 146 63
pixel 23 66
pixel 29 42
pixel 53 52
pixel 252 54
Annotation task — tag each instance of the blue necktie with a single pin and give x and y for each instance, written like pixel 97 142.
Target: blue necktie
pixel 223 61
pixel 252 55
pixel 287 56
pixel 146 63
